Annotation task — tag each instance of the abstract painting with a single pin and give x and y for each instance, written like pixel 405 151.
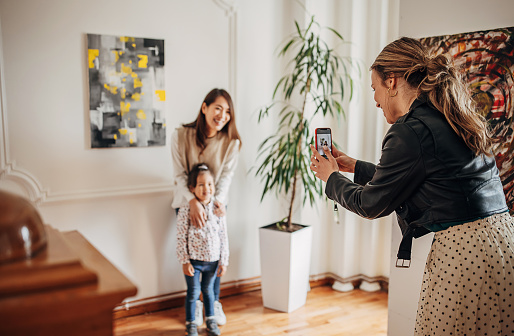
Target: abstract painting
pixel 486 58
pixel 126 91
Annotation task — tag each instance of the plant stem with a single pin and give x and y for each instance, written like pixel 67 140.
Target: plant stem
pixel 298 153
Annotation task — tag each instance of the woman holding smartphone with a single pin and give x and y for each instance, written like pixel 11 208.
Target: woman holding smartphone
pixel 213 139
pixel 438 174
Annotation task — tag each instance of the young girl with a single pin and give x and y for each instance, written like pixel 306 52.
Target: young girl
pixel 212 138
pixel 201 251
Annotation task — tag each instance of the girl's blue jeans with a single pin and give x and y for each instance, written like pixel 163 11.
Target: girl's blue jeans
pixel 218 279
pixel 206 270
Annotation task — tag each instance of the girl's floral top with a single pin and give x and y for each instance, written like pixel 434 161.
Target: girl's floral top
pixel 209 243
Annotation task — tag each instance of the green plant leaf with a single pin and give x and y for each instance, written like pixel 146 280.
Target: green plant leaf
pixel 284 50
pixel 298 29
pixel 318 82
pixel 335 32
pixel 278 85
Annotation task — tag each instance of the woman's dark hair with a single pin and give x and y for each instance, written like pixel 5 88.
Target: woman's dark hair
pixel 200 168
pixel 201 125
pixel 436 77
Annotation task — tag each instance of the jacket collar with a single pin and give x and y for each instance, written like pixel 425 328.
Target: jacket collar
pixel 422 99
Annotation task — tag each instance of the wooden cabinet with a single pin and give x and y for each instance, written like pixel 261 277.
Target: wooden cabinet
pixel 69 288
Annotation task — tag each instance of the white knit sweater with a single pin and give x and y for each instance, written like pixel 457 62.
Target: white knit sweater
pixel 220 155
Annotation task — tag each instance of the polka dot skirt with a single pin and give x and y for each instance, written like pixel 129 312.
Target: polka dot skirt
pixel 468 284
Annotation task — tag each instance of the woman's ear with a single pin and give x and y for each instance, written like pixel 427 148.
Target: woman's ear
pixel 204 107
pixel 392 82
pixel 191 189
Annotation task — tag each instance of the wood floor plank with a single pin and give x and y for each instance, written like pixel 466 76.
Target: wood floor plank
pixel 327 312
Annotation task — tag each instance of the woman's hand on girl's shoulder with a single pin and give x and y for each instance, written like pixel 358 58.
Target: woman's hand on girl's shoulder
pixel 197 213
pixel 219 209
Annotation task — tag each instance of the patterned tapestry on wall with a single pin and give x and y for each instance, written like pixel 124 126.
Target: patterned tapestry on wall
pixel 126 91
pixel 487 60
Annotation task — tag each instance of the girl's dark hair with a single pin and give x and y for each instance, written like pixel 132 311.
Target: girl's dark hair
pixel 201 125
pixel 436 77
pixel 200 168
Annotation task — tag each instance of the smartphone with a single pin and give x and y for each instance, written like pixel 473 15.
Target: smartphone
pixel 323 138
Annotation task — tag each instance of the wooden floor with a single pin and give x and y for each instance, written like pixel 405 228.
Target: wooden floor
pixel 327 312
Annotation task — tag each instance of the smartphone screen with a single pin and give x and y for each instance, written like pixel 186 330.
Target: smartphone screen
pixel 323 138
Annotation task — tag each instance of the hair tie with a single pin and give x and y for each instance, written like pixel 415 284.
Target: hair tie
pixel 203 167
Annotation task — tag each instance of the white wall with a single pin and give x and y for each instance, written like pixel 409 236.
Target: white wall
pixel 422 19
pixel 119 198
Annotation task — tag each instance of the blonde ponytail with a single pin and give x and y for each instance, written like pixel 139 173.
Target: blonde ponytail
pixel 442 83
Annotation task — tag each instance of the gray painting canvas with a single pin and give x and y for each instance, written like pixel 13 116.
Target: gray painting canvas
pixel 126 91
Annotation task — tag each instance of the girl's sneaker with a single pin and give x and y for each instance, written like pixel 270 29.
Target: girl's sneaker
pixel 191 329
pixel 212 327
pixel 219 314
pixel 199 313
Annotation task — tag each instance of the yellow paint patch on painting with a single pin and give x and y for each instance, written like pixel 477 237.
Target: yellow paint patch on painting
pixel 123 131
pixel 163 125
pixel 141 115
pixel 115 136
pixel 123 93
pixel 131 140
pixel 134 45
pixel 161 95
pixel 112 89
pixel 143 61
pixel 127 39
pixel 92 54
pixel 137 83
pixel 116 55
pixel 126 69
pixel 136 96
pixel 124 108
pixel 134 75
pixel 139 125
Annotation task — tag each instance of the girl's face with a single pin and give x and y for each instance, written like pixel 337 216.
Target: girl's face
pixel 204 189
pixel 217 115
pixel 383 99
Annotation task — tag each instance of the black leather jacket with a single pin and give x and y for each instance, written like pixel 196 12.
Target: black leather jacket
pixel 426 174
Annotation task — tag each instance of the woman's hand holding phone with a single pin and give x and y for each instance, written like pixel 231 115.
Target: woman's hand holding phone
pixel 322 167
pixel 345 163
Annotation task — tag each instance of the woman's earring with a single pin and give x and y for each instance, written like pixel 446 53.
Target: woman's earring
pixel 389 89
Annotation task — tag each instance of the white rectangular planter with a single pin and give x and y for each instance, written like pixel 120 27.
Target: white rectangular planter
pixel 285 266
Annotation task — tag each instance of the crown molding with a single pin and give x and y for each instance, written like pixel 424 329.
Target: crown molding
pixel 230 9
pixel 228 6
pixel 34 189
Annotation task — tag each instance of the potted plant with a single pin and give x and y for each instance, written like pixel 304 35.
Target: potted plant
pixel 319 81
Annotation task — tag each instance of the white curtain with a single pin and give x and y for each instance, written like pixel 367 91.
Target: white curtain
pixel 359 247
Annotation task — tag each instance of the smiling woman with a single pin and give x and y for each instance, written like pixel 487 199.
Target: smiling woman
pixel 212 139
